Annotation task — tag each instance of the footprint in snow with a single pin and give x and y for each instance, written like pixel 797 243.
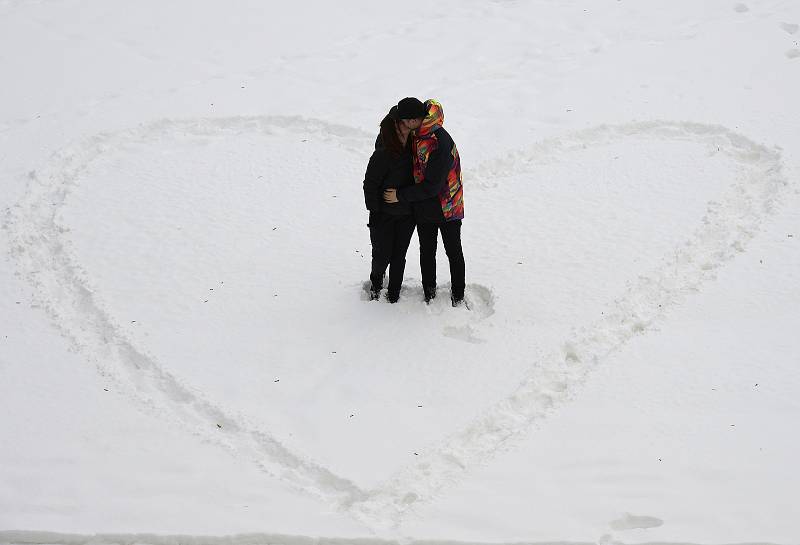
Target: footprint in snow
pixel 635 522
pixel 790 27
pixel 793 53
pixel 465 333
pixel 741 8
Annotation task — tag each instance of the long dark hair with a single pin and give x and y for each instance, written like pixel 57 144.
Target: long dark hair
pixel 389 136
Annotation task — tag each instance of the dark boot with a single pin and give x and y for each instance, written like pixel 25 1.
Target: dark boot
pixel 429 292
pixel 456 295
pixel 376 281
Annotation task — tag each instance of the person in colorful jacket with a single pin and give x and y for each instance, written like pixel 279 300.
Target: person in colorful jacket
pixel 391 226
pixel 437 196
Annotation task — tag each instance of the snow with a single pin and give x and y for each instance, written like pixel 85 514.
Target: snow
pixel 185 348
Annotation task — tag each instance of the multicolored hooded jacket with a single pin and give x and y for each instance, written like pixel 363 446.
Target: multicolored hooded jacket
pixel 437 167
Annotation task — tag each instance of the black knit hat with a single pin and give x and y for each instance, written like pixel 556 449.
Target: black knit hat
pixel 409 108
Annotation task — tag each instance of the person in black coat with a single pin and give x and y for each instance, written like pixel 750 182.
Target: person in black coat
pixel 437 197
pixel 391 226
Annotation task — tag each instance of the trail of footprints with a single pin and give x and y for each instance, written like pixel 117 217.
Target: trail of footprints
pixel 43 257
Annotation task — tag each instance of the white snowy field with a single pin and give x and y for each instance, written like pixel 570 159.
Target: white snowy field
pixel 185 350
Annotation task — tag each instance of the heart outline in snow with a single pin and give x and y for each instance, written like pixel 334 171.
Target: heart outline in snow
pixel 39 249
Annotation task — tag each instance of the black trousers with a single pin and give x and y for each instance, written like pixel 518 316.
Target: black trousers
pixel 390 236
pixel 451 238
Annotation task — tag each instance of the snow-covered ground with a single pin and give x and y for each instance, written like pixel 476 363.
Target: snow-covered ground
pixel 185 349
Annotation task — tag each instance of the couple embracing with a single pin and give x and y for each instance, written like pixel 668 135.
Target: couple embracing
pixel 413 179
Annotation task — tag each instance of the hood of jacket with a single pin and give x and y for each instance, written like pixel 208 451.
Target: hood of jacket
pixel 434 119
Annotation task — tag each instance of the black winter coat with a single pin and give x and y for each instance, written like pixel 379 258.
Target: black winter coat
pixel 387 170
pixel 424 196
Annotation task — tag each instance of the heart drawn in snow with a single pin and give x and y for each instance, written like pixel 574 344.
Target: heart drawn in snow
pixel 273 227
